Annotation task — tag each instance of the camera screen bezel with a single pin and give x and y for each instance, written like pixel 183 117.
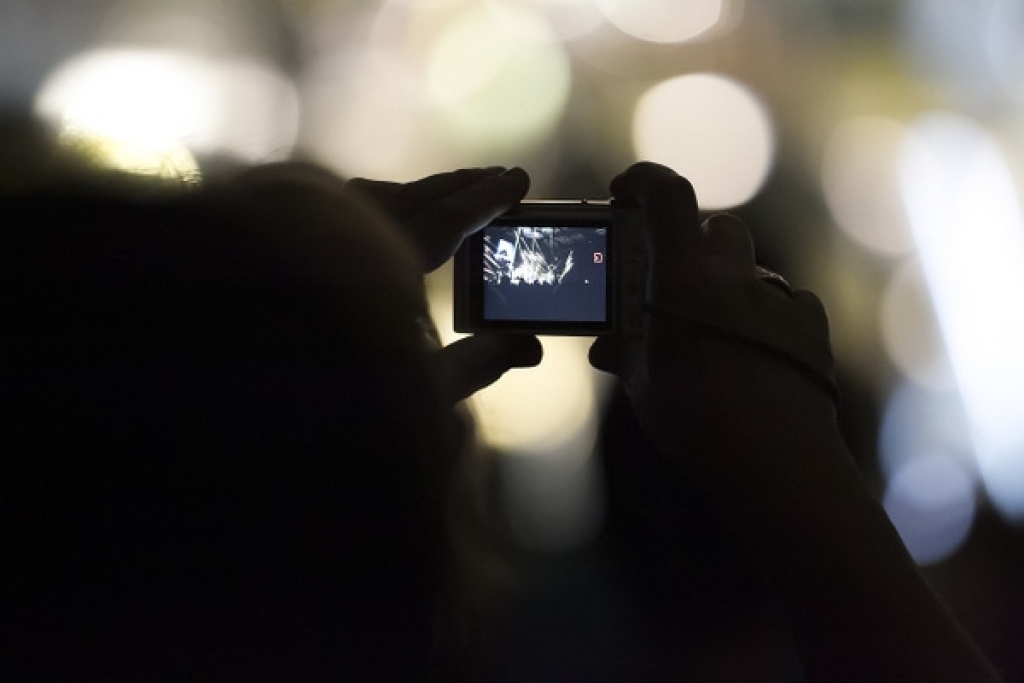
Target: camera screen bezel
pixel 469 280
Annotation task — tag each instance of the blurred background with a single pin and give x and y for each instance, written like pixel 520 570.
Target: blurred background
pixel 875 147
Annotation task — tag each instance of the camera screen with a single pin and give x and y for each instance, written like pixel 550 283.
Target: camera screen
pixel 545 273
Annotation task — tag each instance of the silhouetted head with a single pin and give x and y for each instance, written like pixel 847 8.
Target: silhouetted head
pixel 221 438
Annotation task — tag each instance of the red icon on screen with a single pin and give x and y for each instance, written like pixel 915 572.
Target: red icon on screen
pixel 598 257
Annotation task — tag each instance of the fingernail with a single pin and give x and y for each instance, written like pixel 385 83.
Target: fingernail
pixel 514 171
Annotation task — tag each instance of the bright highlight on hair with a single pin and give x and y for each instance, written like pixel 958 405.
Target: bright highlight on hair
pixel 151 111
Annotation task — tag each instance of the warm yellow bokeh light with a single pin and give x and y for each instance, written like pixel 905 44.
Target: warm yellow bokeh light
pixel 544 422
pixel 138 97
pixel 542 408
pixel 430 5
pixel 136 106
pixel 550 409
pixel 860 176
pixel 367 116
pixel 257 115
pixel 712 130
pixel 663 21
pixel 494 88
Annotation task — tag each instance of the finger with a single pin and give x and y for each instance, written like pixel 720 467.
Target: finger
pixel 727 238
pixel 776 281
pixel 812 308
pixel 670 208
pixel 379 191
pixel 443 224
pixel 613 354
pixel 404 199
pixel 470 364
pixel 412 197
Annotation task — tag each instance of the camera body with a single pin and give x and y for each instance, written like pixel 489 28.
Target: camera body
pixel 554 268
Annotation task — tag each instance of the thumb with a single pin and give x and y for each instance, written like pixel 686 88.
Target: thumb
pixel 615 355
pixel 470 364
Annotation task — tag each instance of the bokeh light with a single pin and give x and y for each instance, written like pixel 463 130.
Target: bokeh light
pixel 367 116
pixel 1004 45
pixel 545 407
pixel 225 27
pixel 860 177
pixel 257 112
pixel 931 502
pixel 712 130
pixel 551 407
pixel 493 88
pixel 946 43
pixel 663 21
pixel 910 331
pixel 544 422
pixel 430 5
pixel 141 99
pixel 566 19
pixel 919 422
pixel 145 104
pixel 965 214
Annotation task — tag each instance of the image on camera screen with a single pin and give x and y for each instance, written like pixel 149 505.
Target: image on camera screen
pixel 545 273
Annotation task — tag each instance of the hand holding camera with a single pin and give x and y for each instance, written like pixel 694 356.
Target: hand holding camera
pixel 733 379
pixel 680 308
pixel 724 341
pixel 437 213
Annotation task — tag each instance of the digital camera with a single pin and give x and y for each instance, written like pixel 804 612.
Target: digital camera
pixel 554 268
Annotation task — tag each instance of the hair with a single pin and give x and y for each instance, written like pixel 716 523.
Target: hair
pixel 219 434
